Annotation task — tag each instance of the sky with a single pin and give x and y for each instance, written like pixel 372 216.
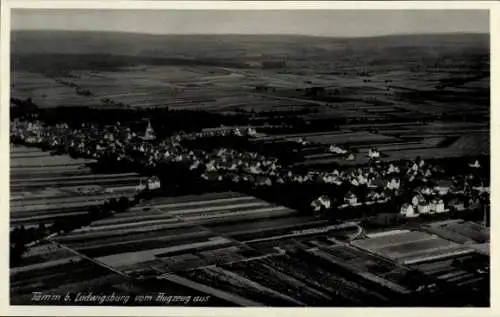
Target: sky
pixel 335 23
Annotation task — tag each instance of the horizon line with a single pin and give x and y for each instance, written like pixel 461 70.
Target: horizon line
pixel 248 34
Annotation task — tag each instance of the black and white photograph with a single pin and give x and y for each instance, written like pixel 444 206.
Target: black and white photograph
pixel 249 158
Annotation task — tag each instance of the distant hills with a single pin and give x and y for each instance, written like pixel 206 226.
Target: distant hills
pixel 60 48
pixel 63 42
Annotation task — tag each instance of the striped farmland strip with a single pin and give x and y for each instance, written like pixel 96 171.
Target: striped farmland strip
pixel 153 215
pixel 96 240
pixel 96 226
pixel 129 225
pixel 132 246
pixel 158 231
pixel 215 209
pixel 51 207
pixel 436 255
pixel 220 203
pixel 23 176
pixel 118 220
pixel 43 219
pixel 389 240
pixel 85 177
pixel 78 183
pixel 141 256
pixel 186 201
pixel 58 200
pixel 235 217
pixel 278 209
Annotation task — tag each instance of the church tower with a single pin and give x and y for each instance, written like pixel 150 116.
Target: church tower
pixel 149 134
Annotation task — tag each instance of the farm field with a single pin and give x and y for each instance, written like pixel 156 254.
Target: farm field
pixel 411 247
pixel 463 270
pixel 438 144
pixel 174 238
pixel 44 188
pixel 307 276
pixel 68 274
pixel 171 233
pixel 460 231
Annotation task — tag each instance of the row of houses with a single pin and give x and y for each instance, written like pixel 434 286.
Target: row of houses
pixel 120 143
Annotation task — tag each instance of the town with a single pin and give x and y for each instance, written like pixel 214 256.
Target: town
pixel 262 179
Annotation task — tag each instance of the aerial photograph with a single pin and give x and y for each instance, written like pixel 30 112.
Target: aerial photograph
pixel 268 158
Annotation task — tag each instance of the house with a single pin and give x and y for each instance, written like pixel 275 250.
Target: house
pixel 351 199
pixel 427 173
pixel 426 191
pixel 373 153
pixel 237 132
pixel 382 198
pixel 154 183
pixel 141 186
pixel 195 165
pixel 210 166
pixel 251 132
pixel 322 202
pixel 482 189
pixel 376 197
pixel 421 163
pixel 265 181
pixel 408 211
pixel 475 164
pixel 413 169
pixel 424 208
pixel 235 179
pixel 336 149
pixel 394 184
pixel 179 158
pixel 417 199
pixel 350 157
pixel 440 207
pixel 362 180
pixel 302 141
pixel 255 169
pixel 392 169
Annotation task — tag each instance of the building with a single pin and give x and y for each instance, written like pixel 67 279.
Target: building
pixel 408 211
pixel 350 157
pixel 394 184
pixel 373 153
pixel 149 134
pixel 475 164
pixel 322 202
pixel 351 199
pixel 154 183
pixel 424 208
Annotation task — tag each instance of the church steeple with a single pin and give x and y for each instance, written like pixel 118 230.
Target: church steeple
pixel 149 134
